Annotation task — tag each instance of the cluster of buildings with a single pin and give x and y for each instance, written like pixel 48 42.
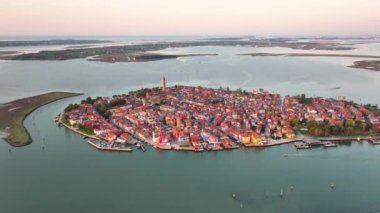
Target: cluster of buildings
pixel 197 118
pixel 86 117
pixel 335 112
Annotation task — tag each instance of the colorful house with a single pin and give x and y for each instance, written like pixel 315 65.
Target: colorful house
pixel 245 138
pixel 255 138
pixel 183 139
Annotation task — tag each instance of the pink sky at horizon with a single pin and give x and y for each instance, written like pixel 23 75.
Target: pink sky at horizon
pixel 189 17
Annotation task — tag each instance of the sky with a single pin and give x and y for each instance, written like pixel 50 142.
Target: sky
pixel 189 17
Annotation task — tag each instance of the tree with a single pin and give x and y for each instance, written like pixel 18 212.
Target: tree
pixel 349 130
pixel 334 130
pixel 86 129
pixel 102 109
pixel 89 100
pixel 303 99
pixel 71 107
pixel 363 126
pixel 341 128
pixel 311 123
pixel 327 129
pixel 295 123
pixel 117 102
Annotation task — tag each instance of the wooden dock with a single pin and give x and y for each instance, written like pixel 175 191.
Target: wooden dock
pixel 374 141
pixel 302 145
pixel 179 148
pixel 163 147
pixel 311 141
pixel 140 146
pixel 110 148
pixel 344 139
pixel 329 144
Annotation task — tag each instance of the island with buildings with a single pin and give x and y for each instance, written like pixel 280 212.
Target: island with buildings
pixel 199 119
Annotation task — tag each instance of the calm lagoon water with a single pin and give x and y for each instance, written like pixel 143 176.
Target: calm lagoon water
pixel 70 176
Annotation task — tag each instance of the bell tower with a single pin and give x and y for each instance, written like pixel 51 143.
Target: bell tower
pixel 163 84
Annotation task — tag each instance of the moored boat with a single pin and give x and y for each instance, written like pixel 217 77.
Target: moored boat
pixel 302 146
pixel 329 144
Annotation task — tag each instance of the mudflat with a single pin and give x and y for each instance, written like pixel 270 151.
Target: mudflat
pixel 12 115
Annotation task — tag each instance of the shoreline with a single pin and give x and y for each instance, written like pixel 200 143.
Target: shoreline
pixel 108 148
pixel 144 57
pixel 76 131
pixel 106 51
pixel 372 65
pixel 319 141
pixel 126 120
pixel 29 109
pixel 191 123
pixel 310 55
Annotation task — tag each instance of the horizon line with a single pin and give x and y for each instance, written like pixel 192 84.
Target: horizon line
pixel 198 35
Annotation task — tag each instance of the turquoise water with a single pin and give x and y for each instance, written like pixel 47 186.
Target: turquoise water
pixel 70 176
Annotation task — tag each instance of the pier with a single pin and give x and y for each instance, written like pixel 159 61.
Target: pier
pixel 178 148
pixel 349 138
pixel 109 147
pixel 164 147
pixel 329 144
pixel 301 145
pixel 374 141
pixel 310 141
pixel 140 146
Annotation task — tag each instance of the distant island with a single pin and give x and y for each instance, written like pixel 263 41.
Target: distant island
pixel 140 57
pixel 311 54
pixel 143 52
pixel 12 115
pixel 124 51
pixel 367 64
pixel 7 52
pixel 197 119
pixel 373 65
